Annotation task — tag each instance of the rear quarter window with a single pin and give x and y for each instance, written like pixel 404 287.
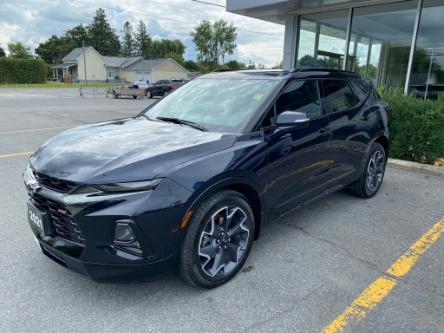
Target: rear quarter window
pixel 338 96
pixel 361 88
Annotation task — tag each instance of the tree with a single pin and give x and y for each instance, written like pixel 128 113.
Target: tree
pixel 101 36
pixel 234 64
pixel 18 50
pixel 55 48
pixel 128 43
pixel 79 35
pixel 214 41
pixel 191 66
pixel 2 53
pixel 166 48
pixel 142 40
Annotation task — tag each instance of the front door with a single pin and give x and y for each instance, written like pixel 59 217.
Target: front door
pixel 298 157
pixel 111 74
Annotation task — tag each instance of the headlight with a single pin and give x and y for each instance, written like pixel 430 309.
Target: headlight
pixel 29 177
pixel 128 187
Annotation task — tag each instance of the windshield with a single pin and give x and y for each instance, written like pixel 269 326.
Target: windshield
pixel 220 105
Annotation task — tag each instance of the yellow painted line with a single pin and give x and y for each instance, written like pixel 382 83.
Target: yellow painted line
pixel 35 130
pixel 16 154
pixel 405 263
pixel 382 286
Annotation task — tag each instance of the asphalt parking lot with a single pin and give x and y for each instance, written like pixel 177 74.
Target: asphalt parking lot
pixel 306 269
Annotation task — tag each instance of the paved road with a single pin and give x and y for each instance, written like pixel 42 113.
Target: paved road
pixel 302 273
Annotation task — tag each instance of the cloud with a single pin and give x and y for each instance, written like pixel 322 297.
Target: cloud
pixel 33 21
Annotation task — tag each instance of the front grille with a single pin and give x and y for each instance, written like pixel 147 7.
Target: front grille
pixel 55 184
pixel 60 217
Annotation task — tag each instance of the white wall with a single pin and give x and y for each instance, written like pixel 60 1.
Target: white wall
pixel 95 67
pixel 168 71
pixel 289 42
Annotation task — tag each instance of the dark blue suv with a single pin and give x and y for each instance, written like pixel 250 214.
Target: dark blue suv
pixel 191 181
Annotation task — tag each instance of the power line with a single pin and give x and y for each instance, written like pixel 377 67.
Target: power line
pixel 170 19
pixel 128 10
pixel 209 3
pixel 244 30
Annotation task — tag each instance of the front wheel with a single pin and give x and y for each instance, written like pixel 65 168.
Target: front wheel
pixel 371 179
pixel 218 240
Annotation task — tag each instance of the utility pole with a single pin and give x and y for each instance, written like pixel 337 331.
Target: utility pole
pixel 84 62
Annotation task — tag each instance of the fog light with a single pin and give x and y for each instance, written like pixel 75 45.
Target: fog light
pixel 123 232
pixel 124 237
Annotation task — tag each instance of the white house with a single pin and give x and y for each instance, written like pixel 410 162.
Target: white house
pixel 88 64
pixel 394 43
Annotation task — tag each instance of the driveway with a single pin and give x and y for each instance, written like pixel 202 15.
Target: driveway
pixel 305 270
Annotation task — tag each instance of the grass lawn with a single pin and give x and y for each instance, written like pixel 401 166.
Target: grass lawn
pixel 56 85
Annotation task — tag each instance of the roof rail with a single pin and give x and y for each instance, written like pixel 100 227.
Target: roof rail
pixel 220 70
pixel 320 69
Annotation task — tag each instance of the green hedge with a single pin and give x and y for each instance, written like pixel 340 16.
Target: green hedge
pixel 416 127
pixel 22 71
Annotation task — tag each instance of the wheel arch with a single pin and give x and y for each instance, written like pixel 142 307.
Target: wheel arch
pixel 384 141
pixel 244 187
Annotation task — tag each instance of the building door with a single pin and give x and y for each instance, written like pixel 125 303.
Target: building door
pixel 143 77
pixel 111 74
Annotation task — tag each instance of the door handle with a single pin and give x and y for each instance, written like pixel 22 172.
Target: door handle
pixel 324 132
pixel 367 113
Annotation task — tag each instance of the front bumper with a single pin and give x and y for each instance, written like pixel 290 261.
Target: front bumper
pixel 156 215
pixel 106 271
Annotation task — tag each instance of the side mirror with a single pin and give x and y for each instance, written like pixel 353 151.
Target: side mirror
pixel 292 118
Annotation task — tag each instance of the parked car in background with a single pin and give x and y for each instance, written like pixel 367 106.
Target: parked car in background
pixel 176 83
pixel 191 182
pixel 159 88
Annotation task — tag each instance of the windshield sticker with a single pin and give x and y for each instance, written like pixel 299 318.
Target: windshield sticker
pixel 257 97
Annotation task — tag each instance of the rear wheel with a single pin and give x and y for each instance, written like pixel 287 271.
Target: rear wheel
pixel 218 240
pixel 371 179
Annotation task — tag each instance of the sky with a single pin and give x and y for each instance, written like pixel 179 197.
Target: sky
pixel 34 21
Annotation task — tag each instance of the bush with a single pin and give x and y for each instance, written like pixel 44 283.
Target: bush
pixel 416 128
pixel 14 70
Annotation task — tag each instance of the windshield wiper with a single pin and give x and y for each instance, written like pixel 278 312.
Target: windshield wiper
pixel 183 122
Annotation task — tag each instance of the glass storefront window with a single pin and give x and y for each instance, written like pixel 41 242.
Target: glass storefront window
pixel 427 77
pixel 380 42
pixel 322 39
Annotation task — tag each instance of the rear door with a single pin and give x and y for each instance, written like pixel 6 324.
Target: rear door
pixel 297 164
pixel 349 140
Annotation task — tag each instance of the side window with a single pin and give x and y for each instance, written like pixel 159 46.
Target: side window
pixel 360 88
pixel 301 96
pixel 338 96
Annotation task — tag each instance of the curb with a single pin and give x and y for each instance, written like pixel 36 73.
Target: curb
pixel 416 167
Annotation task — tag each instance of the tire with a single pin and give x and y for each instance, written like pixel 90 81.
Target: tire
pixel 212 240
pixel 374 167
pixel 134 96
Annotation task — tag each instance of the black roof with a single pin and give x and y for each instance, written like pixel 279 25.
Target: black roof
pixel 278 74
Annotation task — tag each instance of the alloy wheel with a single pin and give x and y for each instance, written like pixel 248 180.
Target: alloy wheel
pixel 375 171
pixel 223 241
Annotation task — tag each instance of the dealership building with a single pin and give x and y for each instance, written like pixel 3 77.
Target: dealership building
pixel 393 43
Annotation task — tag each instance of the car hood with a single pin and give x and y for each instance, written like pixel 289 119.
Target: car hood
pixel 126 150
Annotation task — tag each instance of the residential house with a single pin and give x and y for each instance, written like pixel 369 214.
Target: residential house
pixel 88 64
